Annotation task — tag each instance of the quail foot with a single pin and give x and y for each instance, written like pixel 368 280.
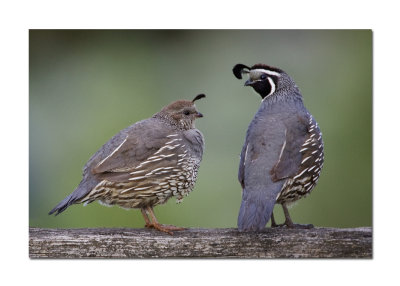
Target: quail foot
pixel 283 153
pixel 145 164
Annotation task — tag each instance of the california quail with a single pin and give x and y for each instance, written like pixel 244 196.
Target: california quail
pixel 282 156
pixel 145 164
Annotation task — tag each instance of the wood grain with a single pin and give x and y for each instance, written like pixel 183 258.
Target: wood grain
pixel 200 243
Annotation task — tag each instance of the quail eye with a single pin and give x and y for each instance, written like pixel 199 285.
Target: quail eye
pixel 186 112
pixel 263 76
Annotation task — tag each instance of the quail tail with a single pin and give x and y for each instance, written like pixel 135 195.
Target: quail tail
pixel 256 209
pixel 62 206
pixel 73 198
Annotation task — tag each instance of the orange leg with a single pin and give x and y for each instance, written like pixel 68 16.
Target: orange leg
pixel 155 224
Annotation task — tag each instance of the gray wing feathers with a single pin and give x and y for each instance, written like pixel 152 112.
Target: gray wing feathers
pixel 130 147
pixel 113 160
pixel 290 156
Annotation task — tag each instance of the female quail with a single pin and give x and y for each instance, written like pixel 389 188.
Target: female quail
pixel 145 164
pixel 282 156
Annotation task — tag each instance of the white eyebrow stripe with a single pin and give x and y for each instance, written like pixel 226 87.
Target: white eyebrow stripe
pixel 267 72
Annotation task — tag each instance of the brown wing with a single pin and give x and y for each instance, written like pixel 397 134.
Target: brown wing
pixel 128 149
pixel 297 132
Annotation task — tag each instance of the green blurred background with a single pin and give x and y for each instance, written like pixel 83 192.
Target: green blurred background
pixel 85 86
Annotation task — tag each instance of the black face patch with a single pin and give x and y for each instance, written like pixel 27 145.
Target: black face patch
pixel 263 87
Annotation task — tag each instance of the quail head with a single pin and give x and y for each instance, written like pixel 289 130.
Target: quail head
pixel 283 153
pixel 145 164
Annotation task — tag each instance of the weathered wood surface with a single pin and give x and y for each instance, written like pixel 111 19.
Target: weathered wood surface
pixel 196 243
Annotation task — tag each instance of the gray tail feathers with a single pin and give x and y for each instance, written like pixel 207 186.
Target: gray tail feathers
pixel 63 205
pixel 81 191
pixel 255 210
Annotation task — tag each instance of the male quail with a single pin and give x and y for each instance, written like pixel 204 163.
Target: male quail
pixel 282 156
pixel 145 164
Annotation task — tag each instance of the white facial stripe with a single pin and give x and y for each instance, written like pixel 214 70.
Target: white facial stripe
pixel 267 72
pixel 271 82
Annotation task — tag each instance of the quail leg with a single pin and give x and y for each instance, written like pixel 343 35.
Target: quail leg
pixel 289 223
pixel 161 227
pixel 146 217
pixel 273 223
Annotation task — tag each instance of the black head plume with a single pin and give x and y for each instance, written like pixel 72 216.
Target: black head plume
pixel 239 69
pixel 200 96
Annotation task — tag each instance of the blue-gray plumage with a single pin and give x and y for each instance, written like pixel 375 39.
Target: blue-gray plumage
pixel 282 156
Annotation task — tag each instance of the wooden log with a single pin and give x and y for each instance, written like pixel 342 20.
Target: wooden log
pixel 197 243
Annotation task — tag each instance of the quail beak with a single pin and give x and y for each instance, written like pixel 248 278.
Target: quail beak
pixel 199 115
pixel 248 83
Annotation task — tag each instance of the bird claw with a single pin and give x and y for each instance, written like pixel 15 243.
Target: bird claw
pixel 294 225
pixel 301 226
pixel 164 227
pixel 278 225
pixel 288 221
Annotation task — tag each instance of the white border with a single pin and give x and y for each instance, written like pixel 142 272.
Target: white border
pixel 19 16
